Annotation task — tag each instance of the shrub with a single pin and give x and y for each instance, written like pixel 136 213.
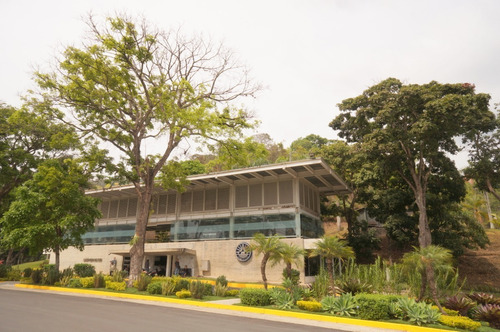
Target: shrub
pixel 75 283
pixel 489 313
pixel 183 294
pixel 309 305
pixel 87 282
pixel 50 275
pixel 344 305
pixel 294 278
pixel 355 286
pixel 117 286
pixel 36 276
pixel 84 270
pixel 143 282
pixel 99 281
pixel 67 272
pixel 119 276
pixel 221 280
pixel 220 290
pixel 209 289
pixel 418 312
pixel 65 280
pixel 321 284
pixel 168 287
pixel 447 311
pixel 255 297
pixel 483 298
pixel 27 272
pixel 232 292
pixel 281 298
pixel 14 275
pixel 4 269
pixel 459 322
pixel 197 289
pixel 462 304
pixel 181 283
pixel 154 288
pixel 374 306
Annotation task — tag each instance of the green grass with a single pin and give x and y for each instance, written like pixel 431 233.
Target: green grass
pixel 32 265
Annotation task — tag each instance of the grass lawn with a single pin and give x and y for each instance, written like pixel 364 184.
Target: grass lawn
pixel 32 265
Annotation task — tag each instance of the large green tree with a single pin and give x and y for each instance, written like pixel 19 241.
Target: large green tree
pixel 484 161
pixel 51 211
pixel 28 136
pixel 138 87
pixel 409 129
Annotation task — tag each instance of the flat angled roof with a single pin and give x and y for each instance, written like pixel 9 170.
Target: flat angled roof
pixel 315 171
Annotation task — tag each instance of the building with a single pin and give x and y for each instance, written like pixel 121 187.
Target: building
pixel 207 227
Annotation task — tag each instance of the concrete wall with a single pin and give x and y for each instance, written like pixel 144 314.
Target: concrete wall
pixel 221 256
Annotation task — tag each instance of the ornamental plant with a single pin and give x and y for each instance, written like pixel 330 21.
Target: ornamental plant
pixel 312 306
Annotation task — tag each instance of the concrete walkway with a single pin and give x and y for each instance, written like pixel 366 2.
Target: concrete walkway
pixel 227 307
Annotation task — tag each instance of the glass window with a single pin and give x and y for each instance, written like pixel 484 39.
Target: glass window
pixel 201 229
pixel 310 227
pixel 109 234
pixel 281 224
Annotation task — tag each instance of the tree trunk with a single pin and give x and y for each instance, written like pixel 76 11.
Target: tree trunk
pixel 423 286
pixel 432 285
pixel 263 269
pixel 10 257
pixel 424 231
pixel 139 240
pixel 57 253
pixel 329 267
pixel 492 190
pixel 289 270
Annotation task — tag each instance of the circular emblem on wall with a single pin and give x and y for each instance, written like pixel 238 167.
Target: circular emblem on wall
pixel 243 252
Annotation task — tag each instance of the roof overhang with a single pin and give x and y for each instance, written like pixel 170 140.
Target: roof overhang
pixel 315 171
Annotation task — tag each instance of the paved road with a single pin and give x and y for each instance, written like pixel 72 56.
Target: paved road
pixel 33 311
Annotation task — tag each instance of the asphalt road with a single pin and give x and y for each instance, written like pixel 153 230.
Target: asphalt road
pixel 42 311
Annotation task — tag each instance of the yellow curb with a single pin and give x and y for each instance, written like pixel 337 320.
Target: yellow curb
pixel 257 310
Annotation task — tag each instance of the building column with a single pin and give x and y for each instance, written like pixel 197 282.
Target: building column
pixel 296 202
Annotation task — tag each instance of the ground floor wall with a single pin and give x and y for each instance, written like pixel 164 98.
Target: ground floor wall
pixel 202 258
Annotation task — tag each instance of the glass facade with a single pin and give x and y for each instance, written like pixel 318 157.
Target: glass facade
pixel 110 234
pixel 310 227
pixel 280 224
pixel 201 229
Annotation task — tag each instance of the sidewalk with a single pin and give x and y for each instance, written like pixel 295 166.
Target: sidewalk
pixel 228 307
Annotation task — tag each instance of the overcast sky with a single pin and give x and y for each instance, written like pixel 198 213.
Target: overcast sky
pixel 310 55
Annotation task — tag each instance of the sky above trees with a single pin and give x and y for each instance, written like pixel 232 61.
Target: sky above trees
pixel 310 55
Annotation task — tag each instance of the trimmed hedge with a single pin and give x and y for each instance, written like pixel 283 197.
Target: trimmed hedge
pixel 460 322
pixel 255 297
pixel 309 305
pixel 117 286
pixel 374 306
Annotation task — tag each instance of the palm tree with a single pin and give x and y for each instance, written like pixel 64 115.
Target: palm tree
pixel 269 247
pixel 289 254
pixel 331 247
pixel 427 261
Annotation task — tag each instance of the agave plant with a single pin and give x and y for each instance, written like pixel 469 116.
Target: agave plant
pixel 344 305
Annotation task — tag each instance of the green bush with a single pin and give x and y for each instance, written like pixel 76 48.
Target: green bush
pixel 232 292
pixel 117 286
pixel 50 274
pixel 183 294
pixel 75 283
pixel 154 288
pixel 27 272
pixel 99 281
pixel 419 313
pixel 181 283
pixel 4 269
pixel 84 270
pixel 294 278
pixel 14 275
pixel 459 322
pixel 87 282
pixel 197 289
pixel 220 290
pixel 168 287
pixel 221 280
pixel 309 305
pixel 67 272
pixel 36 276
pixel 374 306
pixel 143 282
pixel 255 297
